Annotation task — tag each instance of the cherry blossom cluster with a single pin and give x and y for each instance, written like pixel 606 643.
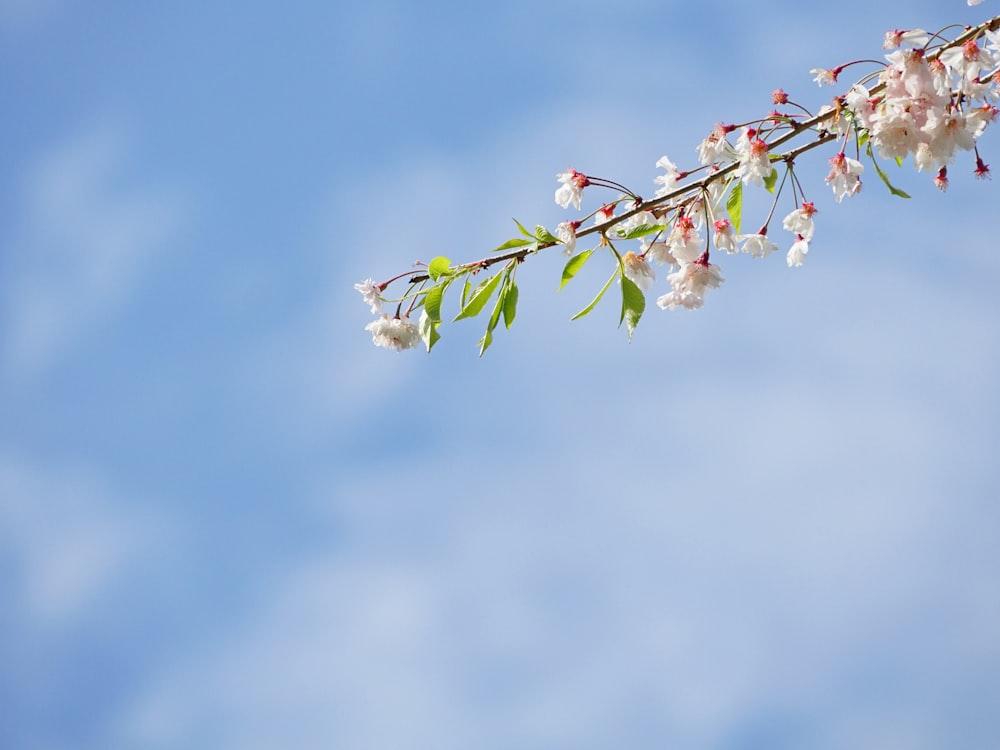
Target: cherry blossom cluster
pixel 931 100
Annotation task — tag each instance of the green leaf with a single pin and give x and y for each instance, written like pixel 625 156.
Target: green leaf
pixel 524 231
pixel 497 309
pixel 734 205
pixel 480 297
pixel 544 235
pixel 510 244
pixel 771 180
pixel 642 230
pixel 593 304
pixel 438 267
pixel 484 343
pixel 487 339
pixel 885 178
pixel 633 303
pixel 573 265
pixel 432 302
pixel 510 305
pixel 429 331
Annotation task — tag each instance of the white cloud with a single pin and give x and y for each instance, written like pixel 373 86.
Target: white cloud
pixel 738 540
pixel 748 513
pixel 89 232
pixel 69 539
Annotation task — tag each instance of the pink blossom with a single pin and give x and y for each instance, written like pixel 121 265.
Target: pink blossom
pixel 941 180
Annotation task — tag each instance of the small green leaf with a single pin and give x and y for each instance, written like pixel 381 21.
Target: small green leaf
pixel 633 304
pixel 544 235
pixel 500 306
pixel 734 205
pixel 771 180
pixel 429 331
pixel 497 309
pixel 524 231
pixel 573 265
pixel 484 342
pixel 438 267
pixel 480 297
pixel 510 305
pixel 432 302
pixel 885 178
pixel 510 244
pixel 641 231
pixel 593 304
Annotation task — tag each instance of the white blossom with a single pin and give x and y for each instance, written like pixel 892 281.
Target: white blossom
pixel 689 285
pixel 758 245
pixel 844 176
pixel 566 233
pixel 372 294
pixel 668 181
pixel 604 214
pixel 571 190
pixel 660 253
pixel 394 333
pixel 725 236
pixel 684 242
pixel 638 270
pixel 755 164
pixel 913 38
pixel 824 76
pixel 797 254
pixel 715 147
pixel 800 221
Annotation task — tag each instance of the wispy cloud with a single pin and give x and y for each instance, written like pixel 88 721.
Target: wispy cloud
pixel 89 229
pixel 70 539
pixel 702 542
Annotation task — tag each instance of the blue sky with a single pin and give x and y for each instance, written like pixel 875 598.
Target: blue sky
pixel 228 521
